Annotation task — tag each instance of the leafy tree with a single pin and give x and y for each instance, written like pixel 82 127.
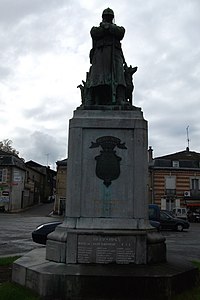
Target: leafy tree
pixel 6 146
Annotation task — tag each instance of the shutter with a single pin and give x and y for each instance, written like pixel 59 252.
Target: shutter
pixel 4 175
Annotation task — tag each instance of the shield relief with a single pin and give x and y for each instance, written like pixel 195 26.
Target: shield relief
pixel 108 162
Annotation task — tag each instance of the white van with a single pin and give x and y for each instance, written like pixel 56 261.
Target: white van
pixel 180 212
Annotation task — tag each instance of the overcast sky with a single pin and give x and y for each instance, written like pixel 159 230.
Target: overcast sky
pixel 44 55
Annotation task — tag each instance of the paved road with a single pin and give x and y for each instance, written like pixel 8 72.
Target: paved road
pixel 16 229
pixel 184 244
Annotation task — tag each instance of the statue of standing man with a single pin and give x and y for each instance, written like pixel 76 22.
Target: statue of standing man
pixel 109 80
pixel 106 76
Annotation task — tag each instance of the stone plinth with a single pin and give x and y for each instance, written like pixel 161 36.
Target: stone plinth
pixel 89 281
pixel 106 209
pixel 125 198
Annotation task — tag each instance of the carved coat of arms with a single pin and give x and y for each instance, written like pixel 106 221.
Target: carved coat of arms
pixel 108 162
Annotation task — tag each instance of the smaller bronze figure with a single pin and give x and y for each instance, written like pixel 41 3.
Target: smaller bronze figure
pixel 128 73
pixel 82 89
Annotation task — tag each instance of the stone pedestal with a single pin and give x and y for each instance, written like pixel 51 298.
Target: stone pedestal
pixel 88 281
pixel 106 208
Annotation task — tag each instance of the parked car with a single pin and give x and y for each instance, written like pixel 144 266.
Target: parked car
pixel 169 212
pixel 39 235
pixel 166 220
pixel 169 222
pixel 180 212
pixel 193 216
pixel 155 224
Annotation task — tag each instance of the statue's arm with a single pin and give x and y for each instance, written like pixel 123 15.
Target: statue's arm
pixel 104 28
pixel 96 32
pixel 117 31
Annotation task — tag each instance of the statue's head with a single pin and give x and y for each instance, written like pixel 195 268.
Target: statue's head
pixel 108 15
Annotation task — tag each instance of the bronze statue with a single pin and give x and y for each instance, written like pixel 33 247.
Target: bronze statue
pixel 108 80
pixel 128 73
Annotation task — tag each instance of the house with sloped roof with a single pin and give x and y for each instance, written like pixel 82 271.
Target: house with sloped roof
pixel 174 179
pixel 45 184
pixel 23 184
pixel 12 176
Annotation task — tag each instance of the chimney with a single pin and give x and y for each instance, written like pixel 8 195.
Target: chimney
pixel 150 154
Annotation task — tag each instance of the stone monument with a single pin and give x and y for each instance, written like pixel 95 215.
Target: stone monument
pixel 105 248
pixel 107 207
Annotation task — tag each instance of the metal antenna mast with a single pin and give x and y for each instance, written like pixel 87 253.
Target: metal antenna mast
pixel 47 159
pixel 188 140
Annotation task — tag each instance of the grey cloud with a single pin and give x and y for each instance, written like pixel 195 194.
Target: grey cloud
pixel 12 11
pixel 5 72
pixel 32 26
pixel 39 146
pixel 50 110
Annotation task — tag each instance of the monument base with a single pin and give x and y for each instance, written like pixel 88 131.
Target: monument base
pixel 106 219
pixel 83 281
pixel 76 246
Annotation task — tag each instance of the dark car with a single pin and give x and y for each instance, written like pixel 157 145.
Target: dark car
pixel 155 224
pixel 39 235
pixel 154 212
pixel 169 213
pixel 169 222
pixel 193 216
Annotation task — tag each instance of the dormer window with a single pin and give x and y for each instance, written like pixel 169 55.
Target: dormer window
pixel 175 164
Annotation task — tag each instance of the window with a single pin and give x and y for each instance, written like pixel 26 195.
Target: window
pixel 3 175
pixel 170 188
pixel 175 164
pixel 170 182
pixel 195 184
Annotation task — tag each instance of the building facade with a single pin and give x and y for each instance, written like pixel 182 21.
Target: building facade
pixel 22 185
pixel 174 180
pixel 44 180
pixel 61 187
pixel 12 177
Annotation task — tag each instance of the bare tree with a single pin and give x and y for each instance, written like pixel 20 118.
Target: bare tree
pixel 6 146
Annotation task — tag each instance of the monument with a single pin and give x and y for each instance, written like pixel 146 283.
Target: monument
pixel 105 246
pixel 107 207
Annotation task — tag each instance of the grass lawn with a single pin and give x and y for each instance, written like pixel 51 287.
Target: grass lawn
pixel 12 291
pixel 193 294
pixel 5 261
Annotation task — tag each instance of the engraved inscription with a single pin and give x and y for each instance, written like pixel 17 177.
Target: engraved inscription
pixel 84 252
pixel 106 249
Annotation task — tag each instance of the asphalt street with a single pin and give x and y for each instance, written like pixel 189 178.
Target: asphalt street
pixel 16 229
pixel 184 244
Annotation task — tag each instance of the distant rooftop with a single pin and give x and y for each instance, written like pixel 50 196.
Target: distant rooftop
pixel 62 162
pixel 182 155
pixel 185 159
